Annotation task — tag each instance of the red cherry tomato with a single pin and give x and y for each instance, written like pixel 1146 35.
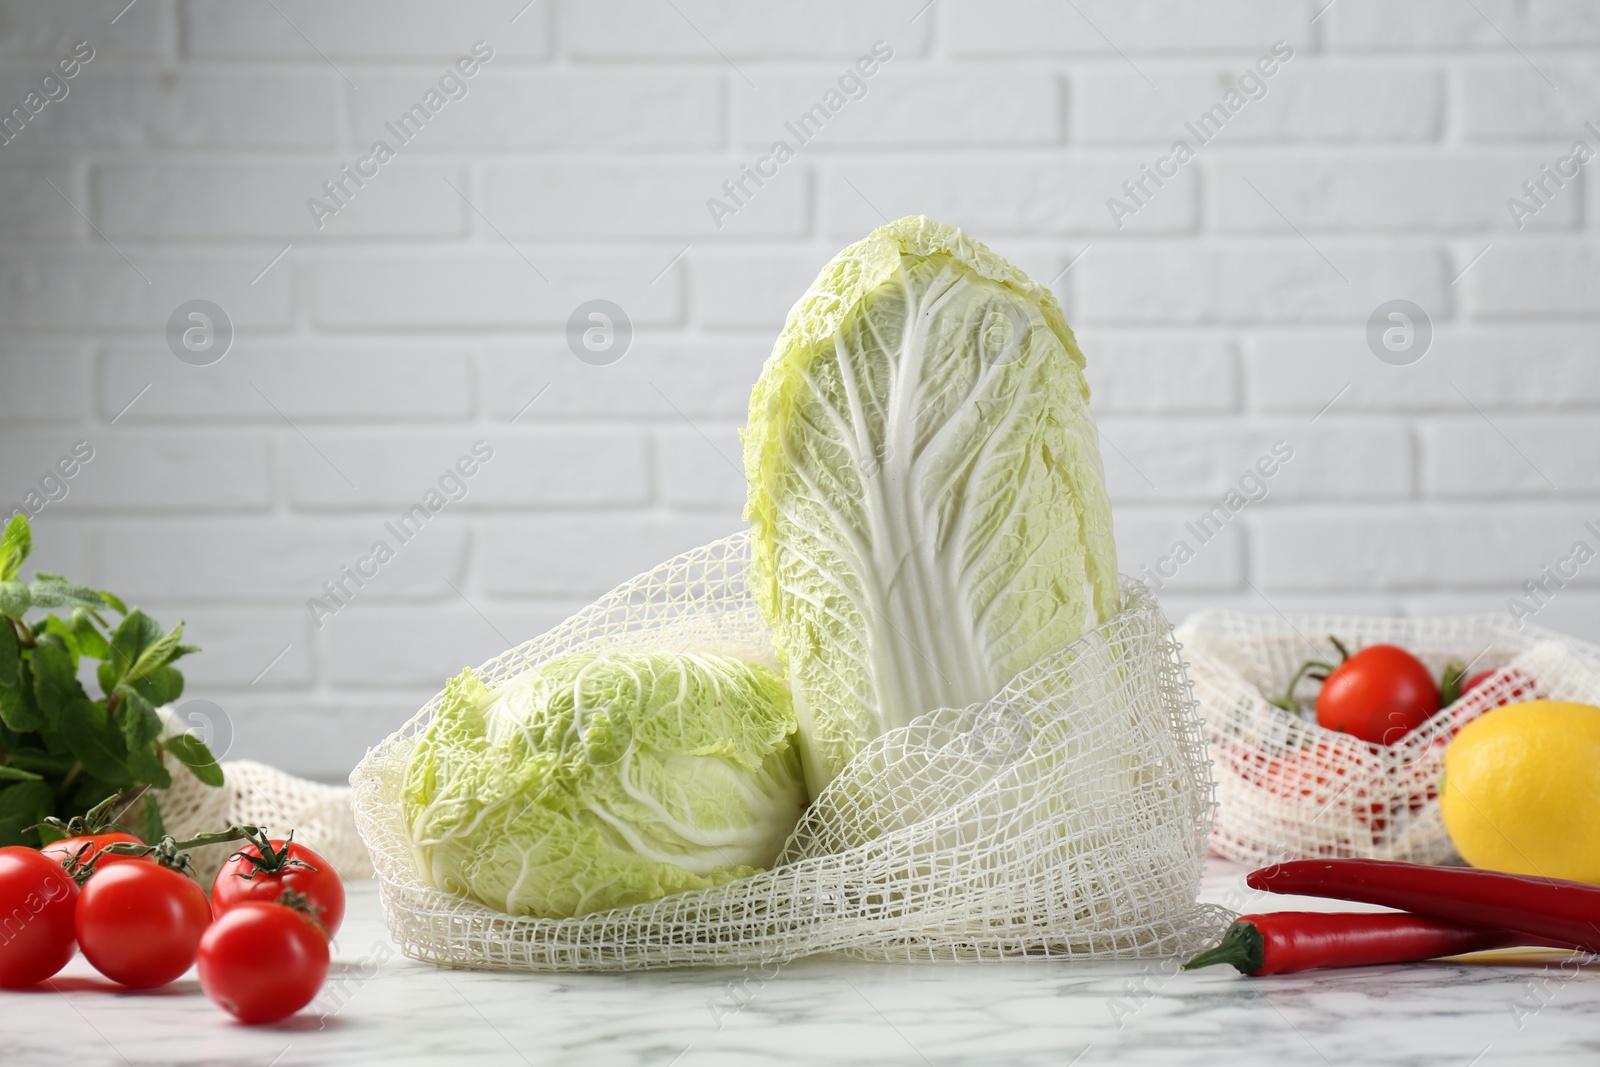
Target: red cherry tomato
pixel 140 923
pixel 65 850
pixel 1380 694
pixel 263 962
pixel 1515 687
pixel 305 872
pixel 37 901
pixel 1316 773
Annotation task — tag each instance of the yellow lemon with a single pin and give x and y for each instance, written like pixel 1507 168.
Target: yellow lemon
pixel 1521 790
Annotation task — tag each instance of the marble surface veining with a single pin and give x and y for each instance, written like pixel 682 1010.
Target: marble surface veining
pixel 1515 1007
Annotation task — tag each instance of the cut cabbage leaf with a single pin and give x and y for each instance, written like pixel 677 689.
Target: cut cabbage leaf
pixel 600 781
pixel 926 497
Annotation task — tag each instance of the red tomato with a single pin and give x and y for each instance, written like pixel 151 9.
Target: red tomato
pixel 1521 686
pixel 37 901
pixel 64 850
pixel 263 962
pixel 1318 773
pixel 239 880
pixel 1380 694
pixel 140 923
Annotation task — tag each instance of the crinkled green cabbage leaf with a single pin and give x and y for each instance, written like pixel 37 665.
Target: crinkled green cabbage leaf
pixel 600 781
pixel 926 497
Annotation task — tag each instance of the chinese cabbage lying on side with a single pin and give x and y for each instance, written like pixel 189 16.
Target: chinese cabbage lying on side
pixel 927 503
pixel 599 781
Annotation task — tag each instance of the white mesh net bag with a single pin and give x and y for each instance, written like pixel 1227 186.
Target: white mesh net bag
pixel 254 794
pixel 1066 817
pixel 1288 789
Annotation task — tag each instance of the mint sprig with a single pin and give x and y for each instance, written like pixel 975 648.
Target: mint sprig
pixel 62 751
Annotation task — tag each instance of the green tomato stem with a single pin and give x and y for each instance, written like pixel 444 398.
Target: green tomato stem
pixel 233 833
pixel 169 852
pixel 1286 702
pixel 1451 681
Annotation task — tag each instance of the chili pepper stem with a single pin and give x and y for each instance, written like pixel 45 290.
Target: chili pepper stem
pixel 1242 946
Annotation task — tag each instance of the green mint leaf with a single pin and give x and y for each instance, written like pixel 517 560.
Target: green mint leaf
pixel 146 766
pixel 21 805
pixel 23 800
pixel 157 655
pixel 49 733
pixel 17 774
pixel 194 754
pixel 134 635
pixel 58 626
pixel 96 740
pixel 18 710
pixel 115 602
pixel 14 599
pixel 53 591
pixel 91 642
pixel 155 827
pixel 139 648
pixel 162 686
pixel 40 761
pixel 55 677
pixel 108 675
pixel 140 723
pixel 91 790
pixel 15 544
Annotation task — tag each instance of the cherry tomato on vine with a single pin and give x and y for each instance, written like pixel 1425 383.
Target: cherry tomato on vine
pixel 263 873
pixel 140 923
pixel 73 848
pixel 37 901
pixel 263 962
pixel 1379 694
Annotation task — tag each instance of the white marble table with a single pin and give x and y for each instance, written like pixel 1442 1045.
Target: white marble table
pixel 1522 1008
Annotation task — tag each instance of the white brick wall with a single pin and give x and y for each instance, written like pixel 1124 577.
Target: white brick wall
pixel 1228 313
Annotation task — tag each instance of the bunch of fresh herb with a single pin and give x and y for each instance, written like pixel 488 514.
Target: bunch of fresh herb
pixel 60 751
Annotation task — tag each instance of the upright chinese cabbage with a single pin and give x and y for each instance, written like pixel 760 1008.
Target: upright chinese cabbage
pixel 927 503
pixel 600 781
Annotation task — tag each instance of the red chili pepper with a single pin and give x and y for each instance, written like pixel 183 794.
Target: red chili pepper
pixel 1563 912
pixel 1281 942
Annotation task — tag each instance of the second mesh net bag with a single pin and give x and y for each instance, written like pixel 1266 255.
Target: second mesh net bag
pixel 1289 789
pixel 1067 817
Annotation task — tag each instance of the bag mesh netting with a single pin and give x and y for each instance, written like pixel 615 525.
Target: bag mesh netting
pixel 1288 789
pixel 1066 817
pixel 257 795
